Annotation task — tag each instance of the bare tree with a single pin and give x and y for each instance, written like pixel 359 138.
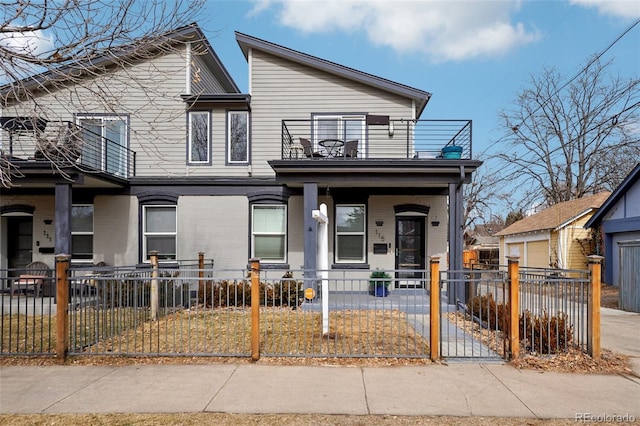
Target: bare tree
pixel 49 45
pixel 481 196
pixel 557 133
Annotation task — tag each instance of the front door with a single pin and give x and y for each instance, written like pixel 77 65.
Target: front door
pixel 410 251
pixel 19 241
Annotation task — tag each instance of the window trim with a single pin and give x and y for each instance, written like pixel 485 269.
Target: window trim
pixel 341 117
pixel 92 233
pixel 229 161
pixel 208 160
pixel 285 232
pixel 144 255
pixel 127 136
pixel 337 234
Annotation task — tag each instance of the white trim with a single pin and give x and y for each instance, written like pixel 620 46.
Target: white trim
pixel 187 87
pixel 190 136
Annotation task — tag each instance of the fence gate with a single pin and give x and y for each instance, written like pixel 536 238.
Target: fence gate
pixel 629 275
pixel 469 314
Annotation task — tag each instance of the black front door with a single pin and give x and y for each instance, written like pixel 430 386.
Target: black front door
pixel 19 241
pixel 410 250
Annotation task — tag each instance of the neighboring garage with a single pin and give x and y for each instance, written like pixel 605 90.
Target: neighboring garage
pixel 554 237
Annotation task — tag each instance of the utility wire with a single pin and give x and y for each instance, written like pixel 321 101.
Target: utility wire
pixel 582 70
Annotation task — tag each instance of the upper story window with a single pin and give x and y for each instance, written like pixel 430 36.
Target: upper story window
pixel 350 238
pixel 238 137
pixel 106 142
pixel 82 232
pixel 199 137
pixel 269 232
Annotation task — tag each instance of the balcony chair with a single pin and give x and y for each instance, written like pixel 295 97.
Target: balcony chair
pixel 351 149
pixel 308 151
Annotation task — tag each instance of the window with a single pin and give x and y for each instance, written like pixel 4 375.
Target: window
pixel 342 127
pixel 82 232
pixel 350 233
pixel 238 137
pixel 268 232
pixel 159 231
pixel 199 138
pixel 106 142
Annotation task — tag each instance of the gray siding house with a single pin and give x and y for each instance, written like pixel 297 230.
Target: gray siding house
pixel 182 163
pixel 618 222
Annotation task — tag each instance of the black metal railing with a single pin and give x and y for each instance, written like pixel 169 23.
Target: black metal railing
pixel 333 138
pixel 66 144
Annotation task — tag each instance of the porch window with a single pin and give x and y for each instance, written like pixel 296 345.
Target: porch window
pixel 341 127
pixel 350 233
pixel 82 232
pixel 238 137
pixel 105 142
pixel 199 137
pixel 269 232
pixel 159 231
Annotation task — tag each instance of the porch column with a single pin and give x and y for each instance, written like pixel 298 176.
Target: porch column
pixel 310 235
pixel 455 291
pixel 63 218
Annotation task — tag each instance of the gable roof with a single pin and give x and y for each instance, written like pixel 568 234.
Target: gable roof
pixel 556 216
pixel 187 33
pixel 247 42
pixel 620 191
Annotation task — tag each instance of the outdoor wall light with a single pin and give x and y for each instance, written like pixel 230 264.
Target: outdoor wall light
pixel 435 223
pixel 379 222
pixel 390 128
pixel 48 221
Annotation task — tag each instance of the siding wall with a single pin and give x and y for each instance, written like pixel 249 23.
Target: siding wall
pixel 284 90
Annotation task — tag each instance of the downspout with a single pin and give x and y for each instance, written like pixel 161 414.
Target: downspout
pixel 187 87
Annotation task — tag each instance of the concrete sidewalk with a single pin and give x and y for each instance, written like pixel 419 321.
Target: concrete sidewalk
pixel 494 390
pixel 457 389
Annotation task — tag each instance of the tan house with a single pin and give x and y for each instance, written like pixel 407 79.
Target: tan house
pixel 554 237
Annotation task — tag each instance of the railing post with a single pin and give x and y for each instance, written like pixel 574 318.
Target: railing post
pixel 593 318
pixel 153 257
pixel 513 304
pixel 200 268
pixel 62 307
pixel 434 308
pixel 255 309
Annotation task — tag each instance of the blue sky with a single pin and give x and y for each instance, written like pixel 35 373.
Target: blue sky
pixel 473 56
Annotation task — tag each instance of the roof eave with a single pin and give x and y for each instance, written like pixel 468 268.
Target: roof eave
pixel 628 181
pixel 247 42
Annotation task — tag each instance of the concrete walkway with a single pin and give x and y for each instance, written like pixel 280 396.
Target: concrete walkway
pixel 457 389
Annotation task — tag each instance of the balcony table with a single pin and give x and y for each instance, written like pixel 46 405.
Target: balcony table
pixel 332 146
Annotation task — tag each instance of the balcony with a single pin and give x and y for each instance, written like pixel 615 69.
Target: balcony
pixel 377 137
pixel 36 142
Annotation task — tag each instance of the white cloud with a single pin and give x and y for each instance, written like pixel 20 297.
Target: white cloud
pixel 443 31
pixel 33 43
pixel 627 9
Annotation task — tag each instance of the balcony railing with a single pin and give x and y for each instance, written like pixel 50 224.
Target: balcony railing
pixel 384 139
pixel 66 144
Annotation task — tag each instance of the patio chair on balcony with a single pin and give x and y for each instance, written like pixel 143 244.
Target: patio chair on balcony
pixel 351 149
pixel 308 150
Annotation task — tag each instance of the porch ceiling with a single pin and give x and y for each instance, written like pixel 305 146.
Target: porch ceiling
pixel 436 173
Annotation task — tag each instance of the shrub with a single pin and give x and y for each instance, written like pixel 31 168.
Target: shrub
pixel 545 334
pixel 485 308
pixel 539 333
pixel 233 293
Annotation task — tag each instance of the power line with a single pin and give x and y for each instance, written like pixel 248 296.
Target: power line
pixel 582 70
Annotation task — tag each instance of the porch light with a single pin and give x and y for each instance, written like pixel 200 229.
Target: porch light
pixel 379 222
pixel 391 129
